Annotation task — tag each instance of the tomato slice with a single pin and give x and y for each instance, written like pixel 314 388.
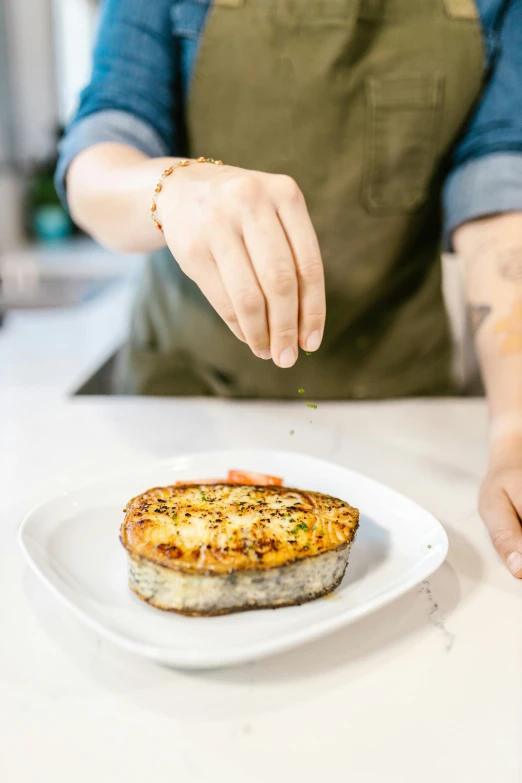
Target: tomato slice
pixel 249 477
pixel 188 482
pixel 238 477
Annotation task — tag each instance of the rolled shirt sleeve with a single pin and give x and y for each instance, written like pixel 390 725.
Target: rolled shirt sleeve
pixel 486 174
pixel 105 126
pixel 133 96
pixel 480 187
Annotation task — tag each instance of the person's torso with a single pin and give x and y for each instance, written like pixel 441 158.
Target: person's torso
pixel 360 101
pixel 188 18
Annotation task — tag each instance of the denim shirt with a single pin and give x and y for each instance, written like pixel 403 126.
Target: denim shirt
pixel 144 57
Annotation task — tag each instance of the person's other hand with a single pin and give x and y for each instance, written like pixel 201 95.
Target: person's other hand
pixel 246 239
pixel 501 501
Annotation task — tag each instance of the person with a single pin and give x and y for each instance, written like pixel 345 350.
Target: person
pixel 356 137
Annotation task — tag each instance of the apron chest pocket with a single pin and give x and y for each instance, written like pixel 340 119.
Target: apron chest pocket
pixel 401 149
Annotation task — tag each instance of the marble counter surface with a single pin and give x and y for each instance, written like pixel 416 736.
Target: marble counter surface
pixel 428 689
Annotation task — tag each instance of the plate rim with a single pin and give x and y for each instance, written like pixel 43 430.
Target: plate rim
pixel 255 650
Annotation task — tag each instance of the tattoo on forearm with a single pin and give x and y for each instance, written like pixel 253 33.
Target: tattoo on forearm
pixel 509 263
pixel 477 315
pixel 509 330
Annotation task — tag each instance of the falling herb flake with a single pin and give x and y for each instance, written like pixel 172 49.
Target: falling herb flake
pixel 311 405
pixel 429 546
pixel 308 353
pixel 300 391
pixel 291 432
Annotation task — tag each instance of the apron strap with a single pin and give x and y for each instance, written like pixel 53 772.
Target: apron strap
pixel 461 9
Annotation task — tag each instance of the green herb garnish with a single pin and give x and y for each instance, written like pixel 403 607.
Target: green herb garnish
pixel 308 353
pixel 291 432
pixel 311 405
pixel 300 391
pixel 203 496
pixel 299 526
pixel 429 546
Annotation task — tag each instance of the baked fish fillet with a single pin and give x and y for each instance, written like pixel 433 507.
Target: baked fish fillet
pixel 212 549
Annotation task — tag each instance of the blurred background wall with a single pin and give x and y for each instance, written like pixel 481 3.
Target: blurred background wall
pixel 64 301
pixel 45 53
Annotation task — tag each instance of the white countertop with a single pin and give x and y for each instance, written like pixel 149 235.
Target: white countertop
pixel 428 689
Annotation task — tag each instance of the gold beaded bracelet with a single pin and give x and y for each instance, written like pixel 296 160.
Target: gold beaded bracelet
pixel 167 173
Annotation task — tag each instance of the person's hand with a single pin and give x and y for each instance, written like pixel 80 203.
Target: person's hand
pixel 501 501
pixel 246 239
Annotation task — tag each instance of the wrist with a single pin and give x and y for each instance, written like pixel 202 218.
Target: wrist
pixel 505 442
pixel 505 427
pixel 167 181
pixel 157 207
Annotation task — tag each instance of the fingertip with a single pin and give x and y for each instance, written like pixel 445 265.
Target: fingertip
pixel 287 358
pixel 313 341
pixel 514 564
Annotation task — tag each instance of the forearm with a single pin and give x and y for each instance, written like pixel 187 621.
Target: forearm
pixel 492 252
pixel 109 189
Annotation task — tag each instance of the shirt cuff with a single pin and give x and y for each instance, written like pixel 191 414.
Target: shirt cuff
pixel 105 126
pixel 483 186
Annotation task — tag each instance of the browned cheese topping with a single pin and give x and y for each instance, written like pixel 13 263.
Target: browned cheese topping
pixel 222 528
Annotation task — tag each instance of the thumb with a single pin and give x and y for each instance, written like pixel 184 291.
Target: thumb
pixel 503 524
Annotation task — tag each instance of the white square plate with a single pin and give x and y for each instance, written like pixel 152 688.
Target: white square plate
pixel 72 542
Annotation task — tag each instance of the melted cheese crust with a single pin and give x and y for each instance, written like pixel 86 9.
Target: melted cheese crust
pixel 222 528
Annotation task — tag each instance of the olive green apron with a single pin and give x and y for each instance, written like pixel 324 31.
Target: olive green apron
pixel 360 101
